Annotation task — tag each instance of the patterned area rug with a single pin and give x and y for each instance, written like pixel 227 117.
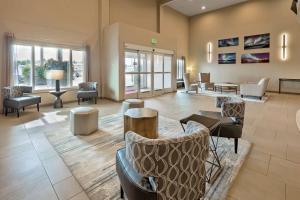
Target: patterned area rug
pixel 91 159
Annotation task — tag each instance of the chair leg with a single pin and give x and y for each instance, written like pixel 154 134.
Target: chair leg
pixel 6 110
pixel 236 144
pixel 18 113
pixel 122 192
pixel 78 100
pixel 23 108
pixel 95 100
pixel 38 107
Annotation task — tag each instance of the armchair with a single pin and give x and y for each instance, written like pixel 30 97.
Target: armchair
pixel 167 168
pixel 88 90
pixel 205 84
pixel 188 85
pixel 254 89
pixel 17 97
pixel 231 116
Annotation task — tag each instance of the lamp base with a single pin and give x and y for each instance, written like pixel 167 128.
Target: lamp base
pixel 57 86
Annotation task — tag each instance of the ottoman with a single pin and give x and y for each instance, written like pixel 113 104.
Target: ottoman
pixel 84 120
pixel 132 103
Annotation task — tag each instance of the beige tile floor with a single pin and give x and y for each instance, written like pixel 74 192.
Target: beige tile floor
pixel 31 169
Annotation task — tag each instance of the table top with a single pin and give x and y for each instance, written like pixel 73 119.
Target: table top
pixel 141 113
pixel 226 85
pixel 58 92
pixel 208 122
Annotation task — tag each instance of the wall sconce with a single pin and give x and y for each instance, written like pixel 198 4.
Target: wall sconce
pixel 209 52
pixel 284 47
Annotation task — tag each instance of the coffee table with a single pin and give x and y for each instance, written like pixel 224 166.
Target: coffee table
pixel 226 87
pixel 143 121
pixel 212 124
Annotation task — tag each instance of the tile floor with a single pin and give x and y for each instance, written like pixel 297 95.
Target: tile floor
pixel 31 169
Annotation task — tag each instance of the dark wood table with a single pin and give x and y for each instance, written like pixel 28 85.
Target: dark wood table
pixel 287 80
pixel 212 124
pixel 58 103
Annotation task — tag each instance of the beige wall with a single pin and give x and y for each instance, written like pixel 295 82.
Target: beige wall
pixel 253 17
pixel 176 25
pixel 59 22
pixel 139 13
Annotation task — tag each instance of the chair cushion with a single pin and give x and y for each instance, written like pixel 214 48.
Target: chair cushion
pixel 16 91
pixel 20 102
pixel 87 94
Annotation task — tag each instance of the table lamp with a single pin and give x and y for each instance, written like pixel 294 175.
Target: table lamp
pixel 56 75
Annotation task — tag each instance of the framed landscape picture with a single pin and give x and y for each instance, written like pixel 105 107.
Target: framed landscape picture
pixel 227 58
pixel 257 41
pixel 229 42
pixel 255 58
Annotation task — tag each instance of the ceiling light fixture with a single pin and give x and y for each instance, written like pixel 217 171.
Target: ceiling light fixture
pixel 203 7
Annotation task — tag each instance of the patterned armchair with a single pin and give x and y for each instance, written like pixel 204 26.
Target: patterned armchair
pixel 231 116
pixel 17 97
pixel 88 90
pixel 168 168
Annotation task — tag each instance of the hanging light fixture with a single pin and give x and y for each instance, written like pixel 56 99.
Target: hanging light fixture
pixel 209 52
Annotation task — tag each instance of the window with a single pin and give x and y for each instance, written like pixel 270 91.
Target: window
pixel 180 68
pixel 31 63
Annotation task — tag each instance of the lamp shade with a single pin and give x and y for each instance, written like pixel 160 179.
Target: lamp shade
pixel 55 74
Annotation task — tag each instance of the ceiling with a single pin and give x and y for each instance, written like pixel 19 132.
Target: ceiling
pixel 195 7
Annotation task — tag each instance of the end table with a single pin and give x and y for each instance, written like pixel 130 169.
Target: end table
pixel 58 102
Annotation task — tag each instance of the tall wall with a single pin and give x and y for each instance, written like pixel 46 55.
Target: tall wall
pixel 59 22
pixel 139 13
pixel 175 24
pixel 253 17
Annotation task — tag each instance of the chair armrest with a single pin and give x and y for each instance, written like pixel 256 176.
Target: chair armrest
pixel 134 185
pixel 6 92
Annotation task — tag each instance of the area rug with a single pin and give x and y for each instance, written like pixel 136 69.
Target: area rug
pixel 91 159
pixel 229 94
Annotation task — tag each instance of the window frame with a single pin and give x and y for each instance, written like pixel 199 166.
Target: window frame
pixel 59 47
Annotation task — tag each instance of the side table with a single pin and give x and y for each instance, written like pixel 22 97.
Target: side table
pixel 58 102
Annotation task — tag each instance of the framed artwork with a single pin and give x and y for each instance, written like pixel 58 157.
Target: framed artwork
pixel 255 58
pixel 257 41
pixel 228 42
pixel 227 58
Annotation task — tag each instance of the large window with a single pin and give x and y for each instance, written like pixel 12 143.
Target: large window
pixel 31 63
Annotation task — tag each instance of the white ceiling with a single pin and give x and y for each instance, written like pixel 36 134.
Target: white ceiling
pixel 194 7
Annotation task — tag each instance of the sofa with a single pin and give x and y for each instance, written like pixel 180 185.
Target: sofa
pixel 18 97
pixel 166 168
pixel 255 89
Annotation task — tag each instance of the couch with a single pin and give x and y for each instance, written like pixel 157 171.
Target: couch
pixel 166 168
pixel 254 89
pixel 18 97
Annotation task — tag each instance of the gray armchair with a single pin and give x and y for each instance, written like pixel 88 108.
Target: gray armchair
pixel 166 168
pixel 17 97
pixel 87 91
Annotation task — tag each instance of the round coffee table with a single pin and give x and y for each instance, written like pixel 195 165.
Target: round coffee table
pixel 143 121
pixel 226 87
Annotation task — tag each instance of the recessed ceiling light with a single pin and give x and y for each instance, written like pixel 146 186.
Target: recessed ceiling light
pixel 203 7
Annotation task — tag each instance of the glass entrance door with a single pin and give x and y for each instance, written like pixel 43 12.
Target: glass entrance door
pixel 147 74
